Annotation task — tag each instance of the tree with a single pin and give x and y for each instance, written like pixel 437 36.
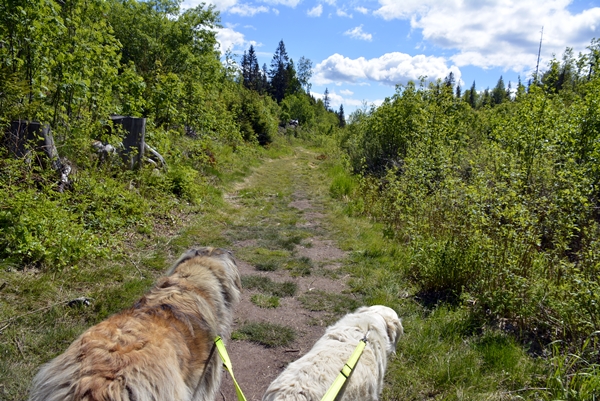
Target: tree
pixel 341 116
pixel 293 85
pixel 472 96
pixel 521 90
pixel 449 80
pixel 486 98
pixel 305 73
pixel 265 86
pixel 458 91
pixel 326 99
pixel 250 70
pixel 499 92
pixel 279 72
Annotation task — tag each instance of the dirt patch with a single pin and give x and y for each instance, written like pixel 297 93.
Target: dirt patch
pixel 320 250
pixel 256 366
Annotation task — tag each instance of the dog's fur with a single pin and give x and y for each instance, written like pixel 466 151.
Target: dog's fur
pixel 309 378
pixel 157 350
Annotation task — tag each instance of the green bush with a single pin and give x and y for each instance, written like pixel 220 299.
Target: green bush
pixel 40 231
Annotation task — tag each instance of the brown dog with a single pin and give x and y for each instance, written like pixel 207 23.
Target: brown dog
pixel 160 348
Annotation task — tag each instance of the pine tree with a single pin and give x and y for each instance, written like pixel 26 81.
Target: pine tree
pixel 458 91
pixel 293 84
pixel 521 90
pixel 245 69
pixel 341 117
pixel 472 96
pixel 449 80
pixel 326 99
pixel 499 92
pixel 265 86
pixel 279 72
pixel 486 98
pixel 253 69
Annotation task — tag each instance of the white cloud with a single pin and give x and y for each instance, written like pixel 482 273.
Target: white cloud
pixel 220 5
pixel 229 39
pixel 237 7
pixel 246 10
pixel 358 33
pixel 362 10
pixel 341 13
pixel 497 33
pixel 346 92
pixel 389 69
pixel 289 3
pixel 316 11
pixel 335 100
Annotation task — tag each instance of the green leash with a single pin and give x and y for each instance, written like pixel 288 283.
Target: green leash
pixel 346 371
pixel 227 363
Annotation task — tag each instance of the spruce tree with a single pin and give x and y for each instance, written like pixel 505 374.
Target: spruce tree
pixel 279 72
pixel 253 70
pixel 499 92
pixel 326 99
pixel 449 80
pixel 341 117
pixel 473 96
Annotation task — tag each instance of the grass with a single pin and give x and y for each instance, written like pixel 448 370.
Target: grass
pixel 266 285
pixel 265 301
pixel 300 266
pixel 267 334
pixel 336 304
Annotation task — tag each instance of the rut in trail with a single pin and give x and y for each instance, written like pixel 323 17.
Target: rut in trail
pixel 279 231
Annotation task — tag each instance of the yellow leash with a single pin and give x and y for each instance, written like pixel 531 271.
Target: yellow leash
pixel 227 363
pixel 346 371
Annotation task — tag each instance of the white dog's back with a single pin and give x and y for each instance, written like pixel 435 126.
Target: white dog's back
pixel 308 378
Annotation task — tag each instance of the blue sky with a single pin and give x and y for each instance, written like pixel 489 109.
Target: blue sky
pixel 361 49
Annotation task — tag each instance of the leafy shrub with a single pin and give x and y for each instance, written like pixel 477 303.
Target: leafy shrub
pixel 497 207
pixel 35 229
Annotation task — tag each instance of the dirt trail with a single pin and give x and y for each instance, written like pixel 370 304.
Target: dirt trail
pixel 256 366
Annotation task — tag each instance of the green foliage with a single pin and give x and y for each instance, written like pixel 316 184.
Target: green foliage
pixel 36 230
pixel 297 107
pixel 495 207
pixel 575 377
pixel 256 117
pixel 342 184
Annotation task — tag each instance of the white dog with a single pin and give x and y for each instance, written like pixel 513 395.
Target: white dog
pixel 309 378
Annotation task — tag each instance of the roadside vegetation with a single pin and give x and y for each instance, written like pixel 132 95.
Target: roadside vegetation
pixel 473 214
pixel 491 203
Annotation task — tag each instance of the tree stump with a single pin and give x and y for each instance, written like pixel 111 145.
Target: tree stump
pixel 27 139
pixel 134 141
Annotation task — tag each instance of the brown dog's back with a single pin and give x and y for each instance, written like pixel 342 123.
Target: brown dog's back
pixel 156 350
